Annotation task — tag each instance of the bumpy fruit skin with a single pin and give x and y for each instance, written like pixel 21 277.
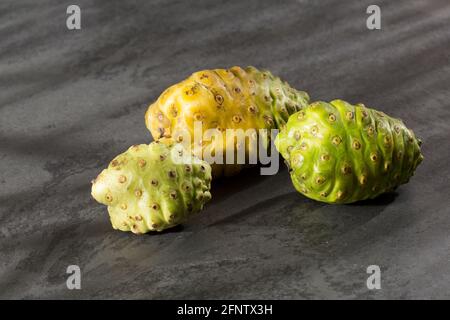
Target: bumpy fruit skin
pixel 223 99
pixel 341 153
pixel 153 187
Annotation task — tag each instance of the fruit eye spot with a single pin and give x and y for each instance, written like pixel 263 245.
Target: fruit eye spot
pixel 122 179
pixel 123 206
pixel 325 157
pixel 252 109
pixel 332 117
pixel 297 135
pixel 155 206
pixel 373 157
pixel 202 167
pixel 346 169
pixel 142 163
pixel 198 116
pixel 336 140
pixel 301 115
pixel 180 138
pixel 172 174
pixel 269 120
pixel 236 119
pixel 363 179
pixel 340 194
pixel 349 115
pixel 356 145
pixel 218 98
pixel 154 183
pixel 320 180
pixel 370 130
pixel 303 146
pixel 188 168
pixel 173 194
pixel 314 130
pixel 162 157
pixel 138 193
pixel 237 90
pixel 109 197
pixel 323 194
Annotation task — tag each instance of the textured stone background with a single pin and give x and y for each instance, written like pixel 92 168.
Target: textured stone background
pixel 71 100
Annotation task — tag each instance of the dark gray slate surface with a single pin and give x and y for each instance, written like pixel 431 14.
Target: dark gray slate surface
pixel 70 101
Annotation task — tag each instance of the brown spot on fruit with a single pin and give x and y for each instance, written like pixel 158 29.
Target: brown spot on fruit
pixel 269 121
pixel 114 163
pixel 363 179
pixel 349 115
pixel 172 174
pixel 336 140
pixel 142 163
pixel 109 197
pixel 356 145
pixel 332 117
pixel 320 180
pixel 218 98
pixel 236 118
pixel 346 169
pixel 300 115
pixel 198 116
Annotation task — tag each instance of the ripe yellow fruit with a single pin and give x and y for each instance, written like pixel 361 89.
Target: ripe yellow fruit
pixel 223 99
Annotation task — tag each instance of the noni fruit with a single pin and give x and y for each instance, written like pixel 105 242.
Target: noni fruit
pixel 222 99
pixel 153 187
pixel 342 153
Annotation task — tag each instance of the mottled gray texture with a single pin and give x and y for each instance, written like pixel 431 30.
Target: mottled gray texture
pixel 71 100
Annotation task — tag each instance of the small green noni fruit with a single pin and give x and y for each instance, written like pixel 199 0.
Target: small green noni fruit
pixel 153 187
pixel 341 153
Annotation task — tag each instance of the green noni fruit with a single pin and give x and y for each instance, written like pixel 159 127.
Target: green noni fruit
pixel 153 187
pixel 342 153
